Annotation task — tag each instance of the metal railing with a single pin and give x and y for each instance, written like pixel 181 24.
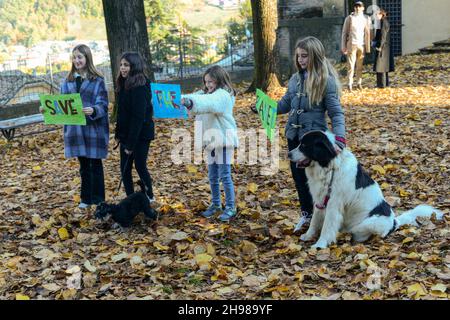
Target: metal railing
pixel 22 80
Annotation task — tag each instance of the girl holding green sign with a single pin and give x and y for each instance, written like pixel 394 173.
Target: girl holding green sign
pixel 88 143
pixel 313 91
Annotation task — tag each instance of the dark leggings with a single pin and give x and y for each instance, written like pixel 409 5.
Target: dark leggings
pixel 92 180
pixel 382 79
pixel 301 182
pixel 139 157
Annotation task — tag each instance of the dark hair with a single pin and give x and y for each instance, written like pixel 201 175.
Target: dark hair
pixel 383 13
pixel 136 76
pixel 221 77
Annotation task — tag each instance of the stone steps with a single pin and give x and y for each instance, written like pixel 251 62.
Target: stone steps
pixel 437 47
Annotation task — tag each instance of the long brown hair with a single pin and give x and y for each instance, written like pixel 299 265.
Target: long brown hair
pixel 221 77
pixel 319 69
pixel 136 76
pixel 383 13
pixel 92 72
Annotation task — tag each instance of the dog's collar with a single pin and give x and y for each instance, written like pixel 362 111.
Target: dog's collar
pixel 327 196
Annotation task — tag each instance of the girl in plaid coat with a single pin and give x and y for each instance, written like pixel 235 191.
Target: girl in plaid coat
pixel 88 143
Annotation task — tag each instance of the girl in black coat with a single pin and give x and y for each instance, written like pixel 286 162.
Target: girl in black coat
pixel 135 127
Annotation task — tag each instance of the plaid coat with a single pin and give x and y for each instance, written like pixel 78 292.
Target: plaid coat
pixel 90 141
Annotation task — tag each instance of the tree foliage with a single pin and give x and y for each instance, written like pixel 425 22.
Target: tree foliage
pixel 27 22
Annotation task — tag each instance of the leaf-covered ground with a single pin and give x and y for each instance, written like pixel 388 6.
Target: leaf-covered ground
pixel 50 249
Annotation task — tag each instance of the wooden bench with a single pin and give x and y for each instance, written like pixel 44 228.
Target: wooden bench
pixel 8 127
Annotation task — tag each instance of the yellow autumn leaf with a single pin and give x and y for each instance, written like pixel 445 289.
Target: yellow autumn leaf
pixel 214 278
pixel 12 263
pixel 76 198
pixel 299 276
pixel 203 258
pixel 337 252
pixel 379 169
pixel 63 233
pixel 413 256
pixel 385 185
pixel 36 168
pixel 414 117
pixel 20 296
pixel 159 246
pixel 402 192
pixel 439 287
pixel 417 290
pixel 437 122
pixel 122 242
pixel 392 264
pixel 210 249
pixel 137 242
pixel 192 169
pixel 252 187
pixel 84 223
pixel 36 219
pixel 407 240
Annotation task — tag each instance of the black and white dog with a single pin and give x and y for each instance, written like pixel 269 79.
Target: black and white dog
pixel 345 197
pixel 124 212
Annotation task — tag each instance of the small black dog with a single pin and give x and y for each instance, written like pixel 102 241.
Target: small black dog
pixel 124 212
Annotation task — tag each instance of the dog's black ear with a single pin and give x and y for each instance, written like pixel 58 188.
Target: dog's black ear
pixel 318 147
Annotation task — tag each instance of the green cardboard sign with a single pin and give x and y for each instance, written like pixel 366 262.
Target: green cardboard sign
pixel 267 110
pixel 63 109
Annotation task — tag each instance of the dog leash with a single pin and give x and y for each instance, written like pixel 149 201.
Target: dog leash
pixel 121 172
pixel 327 197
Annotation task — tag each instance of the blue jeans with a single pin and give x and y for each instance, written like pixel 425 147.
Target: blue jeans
pixel 219 170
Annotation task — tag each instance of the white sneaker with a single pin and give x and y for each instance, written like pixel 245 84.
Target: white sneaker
pixel 151 200
pixel 83 205
pixel 305 218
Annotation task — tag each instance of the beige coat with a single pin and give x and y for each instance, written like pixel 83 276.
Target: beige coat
pixel 346 41
pixel 383 56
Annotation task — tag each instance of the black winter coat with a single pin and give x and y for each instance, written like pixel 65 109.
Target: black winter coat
pixel 135 116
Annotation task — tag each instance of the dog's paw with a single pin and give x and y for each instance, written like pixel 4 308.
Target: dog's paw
pixel 321 244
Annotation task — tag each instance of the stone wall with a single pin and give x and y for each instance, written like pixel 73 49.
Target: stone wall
pixel 190 84
pixel 328 30
pixel 19 110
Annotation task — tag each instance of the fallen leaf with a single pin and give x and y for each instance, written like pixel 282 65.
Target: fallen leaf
pixel 89 266
pixel 119 257
pixel 417 290
pixel 51 287
pixel 159 246
pixel 20 296
pixel 63 233
pixel 180 235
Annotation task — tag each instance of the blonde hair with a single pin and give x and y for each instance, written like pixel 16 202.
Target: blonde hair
pixel 319 69
pixel 221 77
pixel 92 72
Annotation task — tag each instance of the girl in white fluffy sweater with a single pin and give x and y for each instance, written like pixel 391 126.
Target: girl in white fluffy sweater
pixel 214 108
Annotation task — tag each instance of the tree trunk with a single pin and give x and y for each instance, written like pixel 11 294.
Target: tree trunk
pixel 126 30
pixel 265 23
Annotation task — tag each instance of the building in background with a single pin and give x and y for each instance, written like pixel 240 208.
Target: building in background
pixel 414 24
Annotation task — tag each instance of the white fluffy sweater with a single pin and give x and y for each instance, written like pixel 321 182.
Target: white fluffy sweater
pixel 214 113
